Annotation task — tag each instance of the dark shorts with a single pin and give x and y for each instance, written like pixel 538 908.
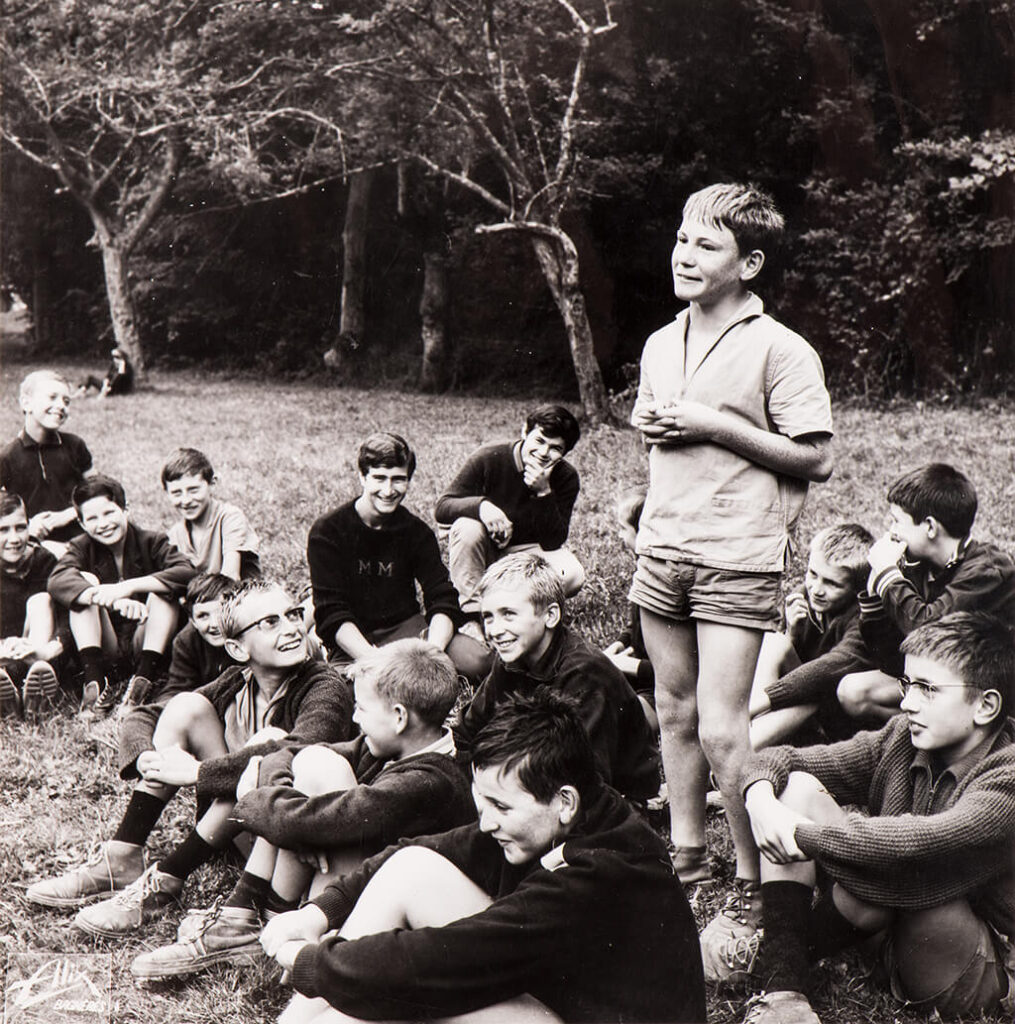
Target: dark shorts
pixel 682 591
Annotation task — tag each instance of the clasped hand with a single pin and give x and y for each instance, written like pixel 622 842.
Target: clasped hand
pixel 680 422
pixel 172 766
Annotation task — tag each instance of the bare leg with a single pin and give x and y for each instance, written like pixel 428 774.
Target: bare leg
pixel 870 695
pixel 160 626
pixel 775 727
pixel 727 657
pixel 673 650
pixel 776 657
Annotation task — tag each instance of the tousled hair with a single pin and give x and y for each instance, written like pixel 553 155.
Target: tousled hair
pixel 526 572
pixel 940 491
pixel 208 586
pixel 35 378
pixel 11 503
pixel 98 486
pixel 187 462
pixel 242 589
pixel 413 673
pixel 554 421
pixel 387 450
pixel 845 546
pixel 541 736
pixel 747 212
pixel 979 648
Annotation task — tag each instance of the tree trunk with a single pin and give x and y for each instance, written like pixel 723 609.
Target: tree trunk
pixel 354 250
pixel 121 303
pixel 433 314
pixel 560 268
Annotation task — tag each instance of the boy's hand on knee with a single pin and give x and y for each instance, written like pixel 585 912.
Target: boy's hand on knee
pixel 773 824
pixel 250 777
pixel 269 734
pixel 136 611
pixel 496 522
pixel 172 766
pixel 41 525
pixel 107 594
pixel 307 924
pixel 316 859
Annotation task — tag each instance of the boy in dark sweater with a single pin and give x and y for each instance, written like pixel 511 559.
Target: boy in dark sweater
pixel 799 671
pixel 366 558
pixel 121 585
pixel 43 464
pixel 522 601
pixel 28 638
pixel 275 695
pixel 926 861
pixel 514 497
pixel 341 803
pixel 559 903
pixel 924 567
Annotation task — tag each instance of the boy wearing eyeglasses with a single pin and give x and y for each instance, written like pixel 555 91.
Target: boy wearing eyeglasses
pixel 276 695
pixel 925 863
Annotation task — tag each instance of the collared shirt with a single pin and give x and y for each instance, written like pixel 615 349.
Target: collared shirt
pixel 250 711
pixel 932 792
pixel 709 505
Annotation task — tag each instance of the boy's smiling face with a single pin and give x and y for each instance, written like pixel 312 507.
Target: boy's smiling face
pixel 47 406
pixel 103 520
pixel 207 619
pixel 377 719
pixel 190 495
pixel 707 265
pixel 541 450
pixel 13 537
pixel 518 631
pixel 384 489
pixel 272 634
pixel 829 587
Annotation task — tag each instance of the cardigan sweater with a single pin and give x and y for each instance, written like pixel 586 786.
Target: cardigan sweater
pixel 412 796
pixel 916 842
pixel 598 929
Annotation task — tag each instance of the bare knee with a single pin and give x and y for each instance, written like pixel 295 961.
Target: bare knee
pixel 804 794
pixel 861 914
pixel 318 770
pixel 467 532
pixel 180 715
pixel 574 576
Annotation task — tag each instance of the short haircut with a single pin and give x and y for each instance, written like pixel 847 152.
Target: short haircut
pixel 541 736
pixel 630 507
pixel 208 586
pixel 528 573
pixel 937 490
pixel 388 450
pixel 749 214
pixel 979 648
pixel 413 673
pixel 845 546
pixel 187 462
pixel 242 589
pixel 35 378
pixel 98 486
pixel 554 421
pixel 11 503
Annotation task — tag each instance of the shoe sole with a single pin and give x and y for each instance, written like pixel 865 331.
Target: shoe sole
pixel 240 955
pixel 40 694
pixel 115 933
pixel 70 902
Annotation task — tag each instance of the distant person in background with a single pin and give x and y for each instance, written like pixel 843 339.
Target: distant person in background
pixel 119 379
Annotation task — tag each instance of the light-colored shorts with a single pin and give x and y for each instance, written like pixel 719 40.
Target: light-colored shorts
pixel 682 591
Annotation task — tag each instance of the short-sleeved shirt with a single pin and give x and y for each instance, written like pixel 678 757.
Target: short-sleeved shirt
pixel 706 504
pixel 44 474
pixel 228 530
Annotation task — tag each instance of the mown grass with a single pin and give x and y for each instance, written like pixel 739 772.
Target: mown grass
pixel 285 453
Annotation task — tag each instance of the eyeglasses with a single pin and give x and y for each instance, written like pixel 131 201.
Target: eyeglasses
pixel 924 690
pixel 269 623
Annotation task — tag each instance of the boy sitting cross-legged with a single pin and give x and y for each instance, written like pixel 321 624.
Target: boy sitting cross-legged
pixel 275 695
pixel 924 567
pixel 799 670
pixel 926 861
pixel 213 534
pixel 338 803
pixel 522 602
pixel 367 557
pixel 121 585
pixel 558 904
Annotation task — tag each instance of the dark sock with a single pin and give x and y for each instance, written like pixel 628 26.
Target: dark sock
pixel 828 931
pixel 187 857
pixel 785 916
pixel 250 891
pixel 148 664
pixel 276 905
pixel 92 664
pixel 139 819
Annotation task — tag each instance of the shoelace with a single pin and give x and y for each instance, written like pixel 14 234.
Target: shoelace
pixel 199 920
pixel 133 897
pixel 738 904
pixel 739 953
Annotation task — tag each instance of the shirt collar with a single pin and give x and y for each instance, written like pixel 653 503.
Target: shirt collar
pixel 444 744
pixel 53 440
pixel 923 761
pixel 545 670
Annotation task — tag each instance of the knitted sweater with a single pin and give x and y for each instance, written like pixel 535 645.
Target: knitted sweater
pixel 626 754
pixel 598 929
pixel 918 847
pixel 369 576
pixel 317 708
pixel 413 796
pixel 494 473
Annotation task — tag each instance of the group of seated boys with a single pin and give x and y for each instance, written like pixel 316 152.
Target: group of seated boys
pixel 411 853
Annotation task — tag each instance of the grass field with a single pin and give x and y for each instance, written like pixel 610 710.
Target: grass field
pixel 285 453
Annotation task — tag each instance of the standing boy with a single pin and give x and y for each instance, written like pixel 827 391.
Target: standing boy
pixel 366 558
pixel 43 464
pixel 926 860
pixel 522 601
pixel 558 904
pixel 734 410
pixel 121 585
pixel 513 497
pixel 275 695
